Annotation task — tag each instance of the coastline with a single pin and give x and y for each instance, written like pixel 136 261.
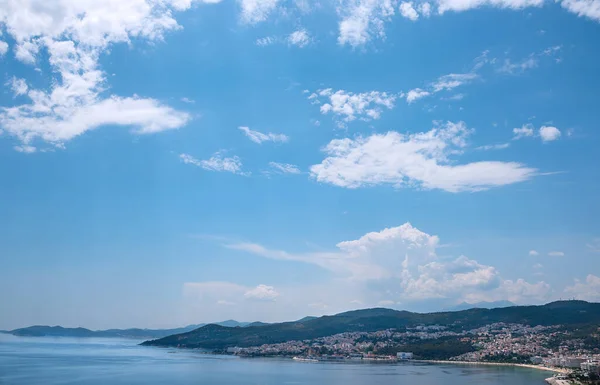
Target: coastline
pixel 528 366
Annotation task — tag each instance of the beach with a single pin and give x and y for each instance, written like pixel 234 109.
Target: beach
pixel 530 366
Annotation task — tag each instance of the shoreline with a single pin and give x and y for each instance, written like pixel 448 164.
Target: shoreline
pixel 528 366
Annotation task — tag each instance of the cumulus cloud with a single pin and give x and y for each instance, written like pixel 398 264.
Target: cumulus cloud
pixel 545 133
pixel 18 86
pixel 363 20
pixel 256 11
pixel 407 10
pixel 3 48
pixel 75 33
pixel 588 290
pixel 425 9
pixel 533 253
pixel 583 8
pixel 416 94
pixel 259 137
pixel 523 132
pixel 217 162
pixel 299 38
pixel 402 263
pixel 262 293
pixel 549 133
pixel 348 106
pixel 419 160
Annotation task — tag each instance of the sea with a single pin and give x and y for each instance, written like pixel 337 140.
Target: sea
pixel 99 361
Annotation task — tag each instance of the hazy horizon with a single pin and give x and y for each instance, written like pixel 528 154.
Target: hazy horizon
pixel 166 163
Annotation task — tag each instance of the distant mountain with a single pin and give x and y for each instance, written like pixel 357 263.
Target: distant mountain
pixel 258 323
pixel 231 323
pixel 480 305
pixel 567 313
pixel 307 318
pixel 59 331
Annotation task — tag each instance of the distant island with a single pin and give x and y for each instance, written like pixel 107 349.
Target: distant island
pixel 59 331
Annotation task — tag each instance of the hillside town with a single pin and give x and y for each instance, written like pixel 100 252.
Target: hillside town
pixel 548 346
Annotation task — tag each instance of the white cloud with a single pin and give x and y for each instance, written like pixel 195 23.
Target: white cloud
pixel 75 33
pixel 285 168
pixel 217 162
pixel 256 11
pixel 299 38
pixel 456 97
pixel 401 264
pixel 533 253
pixel 262 293
pixel 425 9
pixel 57 123
pixel 259 137
pixel 407 10
pixel 556 254
pixel 349 106
pixel 419 160
pixel 519 67
pixel 188 100
pixel 25 149
pixel 549 133
pixel 18 86
pixel 445 83
pixel 451 81
pixel 265 41
pixel 416 94
pixel 26 51
pixel 362 20
pixel 588 290
pixel 585 8
pixel 551 50
pixel 3 48
pixel 546 133
pixel 522 132
pixel 499 146
pixel 463 5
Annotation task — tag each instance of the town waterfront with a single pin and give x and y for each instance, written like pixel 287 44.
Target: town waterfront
pixel 92 361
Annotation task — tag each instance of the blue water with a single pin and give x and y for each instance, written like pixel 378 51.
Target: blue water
pixel 91 361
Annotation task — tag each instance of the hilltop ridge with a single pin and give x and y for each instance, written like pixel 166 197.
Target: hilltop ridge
pixel 374 319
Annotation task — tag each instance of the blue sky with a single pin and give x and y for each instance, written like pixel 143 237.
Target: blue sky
pixel 176 162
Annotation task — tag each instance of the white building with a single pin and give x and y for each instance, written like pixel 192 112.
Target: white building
pixel 404 355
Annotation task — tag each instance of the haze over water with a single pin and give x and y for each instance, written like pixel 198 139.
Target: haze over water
pixel 91 361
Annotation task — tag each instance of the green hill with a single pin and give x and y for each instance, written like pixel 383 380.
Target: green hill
pixel 569 313
pixel 59 331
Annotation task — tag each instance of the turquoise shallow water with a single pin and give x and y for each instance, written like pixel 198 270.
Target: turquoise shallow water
pixel 53 361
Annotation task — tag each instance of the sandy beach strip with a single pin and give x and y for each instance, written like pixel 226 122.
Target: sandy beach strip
pixel 529 366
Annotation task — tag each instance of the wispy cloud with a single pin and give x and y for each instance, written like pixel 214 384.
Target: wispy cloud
pixel 499 146
pixel 419 160
pixel 217 162
pixel 284 168
pixel 259 137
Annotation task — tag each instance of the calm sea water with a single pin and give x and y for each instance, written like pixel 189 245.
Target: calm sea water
pixel 53 361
